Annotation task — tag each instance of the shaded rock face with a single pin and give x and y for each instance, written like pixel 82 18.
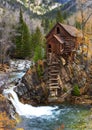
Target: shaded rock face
pixel 3 104
pixel 6 106
pixel 31 90
pixel 3 80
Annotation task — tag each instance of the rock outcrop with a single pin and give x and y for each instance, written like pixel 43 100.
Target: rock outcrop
pixel 34 90
pixel 6 106
pixel 30 89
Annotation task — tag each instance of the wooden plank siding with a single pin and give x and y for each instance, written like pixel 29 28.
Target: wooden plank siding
pixel 60 33
pixel 61 42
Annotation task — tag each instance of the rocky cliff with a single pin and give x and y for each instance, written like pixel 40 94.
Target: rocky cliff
pixel 31 89
pixel 35 91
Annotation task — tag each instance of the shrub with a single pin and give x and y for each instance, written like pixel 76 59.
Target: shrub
pixel 64 89
pixel 39 71
pixel 5 122
pixel 76 90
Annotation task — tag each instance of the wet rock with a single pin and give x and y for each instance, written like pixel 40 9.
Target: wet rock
pixel 20 65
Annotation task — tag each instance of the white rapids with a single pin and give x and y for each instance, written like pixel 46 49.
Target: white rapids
pixel 25 109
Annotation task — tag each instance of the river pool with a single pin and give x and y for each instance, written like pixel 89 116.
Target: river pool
pixel 70 116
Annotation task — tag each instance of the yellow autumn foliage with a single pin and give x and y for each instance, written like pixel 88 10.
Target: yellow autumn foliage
pixel 19 129
pixel 2 98
pixel 5 122
pixel 17 118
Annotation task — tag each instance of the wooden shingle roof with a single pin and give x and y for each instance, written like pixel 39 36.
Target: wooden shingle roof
pixel 73 31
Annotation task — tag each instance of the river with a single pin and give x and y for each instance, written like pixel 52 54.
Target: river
pixel 71 117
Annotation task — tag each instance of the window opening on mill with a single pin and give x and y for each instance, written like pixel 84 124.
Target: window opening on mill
pixel 58 30
pixel 49 48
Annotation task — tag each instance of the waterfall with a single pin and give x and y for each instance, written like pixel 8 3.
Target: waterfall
pixel 25 109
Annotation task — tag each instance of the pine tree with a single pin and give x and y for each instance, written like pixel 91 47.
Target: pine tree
pixel 26 46
pixel 59 17
pixel 48 24
pixel 38 53
pixel 35 39
pixel 38 45
pixel 22 39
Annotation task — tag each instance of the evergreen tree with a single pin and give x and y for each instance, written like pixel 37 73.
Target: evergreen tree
pixel 48 24
pixel 36 39
pixel 22 39
pixel 38 45
pixel 51 24
pixel 38 53
pixel 59 17
pixel 26 47
pixel 65 15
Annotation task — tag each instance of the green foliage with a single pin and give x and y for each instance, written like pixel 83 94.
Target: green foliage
pixel 37 45
pixel 76 91
pixel 22 39
pixel 64 89
pixel 48 24
pixel 48 21
pixel 65 15
pixel 24 1
pixel 39 71
pixel 59 17
pixel 5 122
pixel 78 24
pixel 38 53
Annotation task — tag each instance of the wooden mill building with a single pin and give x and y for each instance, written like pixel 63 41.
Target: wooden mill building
pixel 61 41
